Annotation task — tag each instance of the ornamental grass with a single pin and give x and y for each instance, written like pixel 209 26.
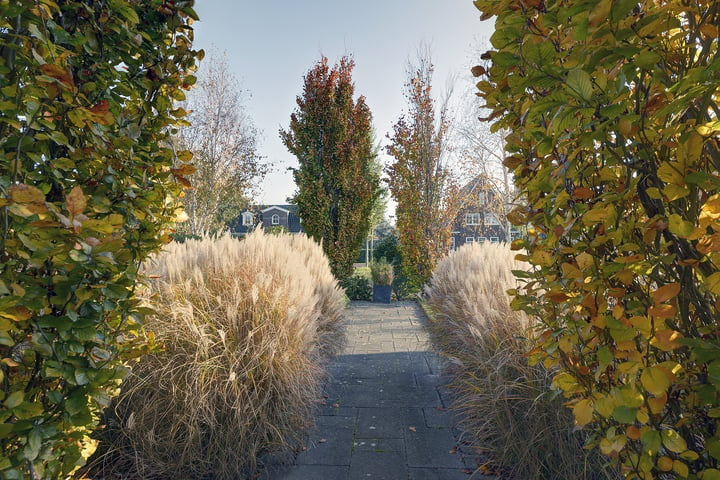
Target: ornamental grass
pixel 505 406
pixel 245 327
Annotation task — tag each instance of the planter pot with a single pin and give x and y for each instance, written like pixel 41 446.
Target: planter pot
pixel 381 293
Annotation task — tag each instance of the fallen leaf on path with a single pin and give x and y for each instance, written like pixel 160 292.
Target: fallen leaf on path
pixel 322 440
pixel 336 405
pixel 412 429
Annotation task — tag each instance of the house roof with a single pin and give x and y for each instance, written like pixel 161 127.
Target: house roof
pixel 294 225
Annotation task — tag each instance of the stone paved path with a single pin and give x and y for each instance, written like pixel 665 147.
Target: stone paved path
pixel 385 415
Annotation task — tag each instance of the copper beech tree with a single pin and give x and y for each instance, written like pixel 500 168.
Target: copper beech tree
pixel 419 180
pixel 331 135
pixel 612 111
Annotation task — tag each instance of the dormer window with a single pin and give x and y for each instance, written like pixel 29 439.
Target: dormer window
pixel 275 219
pixel 472 219
pixel 491 219
pixel 248 219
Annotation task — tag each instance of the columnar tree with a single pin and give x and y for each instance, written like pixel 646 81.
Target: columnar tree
pixel 223 141
pixel 331 135
pixel 87 192
pixel 419 178
pixel 613 109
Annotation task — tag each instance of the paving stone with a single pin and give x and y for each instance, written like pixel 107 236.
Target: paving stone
pixel 330 443
pixel 437 474
pixel 305 472
pixel 379 445
pixel 378 466
pixel 381 422
pixel 431 448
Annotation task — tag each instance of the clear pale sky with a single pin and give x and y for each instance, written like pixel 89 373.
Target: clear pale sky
pixel 272 44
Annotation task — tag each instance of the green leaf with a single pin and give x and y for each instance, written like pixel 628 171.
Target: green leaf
pixel 673 441
pixel 580 84
pixel 14 399
pixel 680 227
pixel 624 414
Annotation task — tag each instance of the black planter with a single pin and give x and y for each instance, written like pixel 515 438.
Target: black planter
pixel 381 293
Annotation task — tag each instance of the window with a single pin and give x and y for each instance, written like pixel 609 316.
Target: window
pixel 515 234
pixel 469 239
pixel 247 219
pixel 472 219
pixel 452 243
pixel 491 219
pixel 482 239
pixel 494 239
pixel 275 219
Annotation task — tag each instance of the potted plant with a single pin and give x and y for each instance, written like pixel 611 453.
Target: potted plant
pixel 381 273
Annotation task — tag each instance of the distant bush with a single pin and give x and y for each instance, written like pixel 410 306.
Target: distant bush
pixel 506 405
pixel 389 248
pixel 245 326
pixel 357 287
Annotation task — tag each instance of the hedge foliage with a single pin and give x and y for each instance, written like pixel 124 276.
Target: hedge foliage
pixel 612 109
pixel 86 193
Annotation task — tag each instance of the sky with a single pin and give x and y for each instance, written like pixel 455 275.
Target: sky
pixel 271 45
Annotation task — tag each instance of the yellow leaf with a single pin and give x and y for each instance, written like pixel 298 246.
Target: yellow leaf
pixel 610 446
pixel 666 340
pixel 571 271
pixel 17 313
pixel 673 441
pixel 679 226
pixel 75 201
pixel 626 127
pixel 674 192
pixel 666 292
pixel 657 404
pixel 655 380
pixel 600 13
pixel 670 174
pixel 21 193
pixel 542 258
pixel 681 468
pixel 712 283
pixel 595 216
pixel 583 412
pixel 584 261
pixel 710 474
pixel 689 455
pixel 625 276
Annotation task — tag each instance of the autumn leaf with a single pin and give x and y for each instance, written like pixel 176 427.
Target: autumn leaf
pixel 76 202
pixel 59 73
pixel 655 380
pixel 666 292
pixel 21 193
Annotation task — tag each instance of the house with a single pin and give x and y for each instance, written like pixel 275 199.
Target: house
pixel 272 217
pixel 481 217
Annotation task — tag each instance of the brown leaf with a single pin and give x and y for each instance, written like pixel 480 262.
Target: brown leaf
pixel 582 193
pixel 59 73
pixel 76 201
pixel 478 70
pixel 182 170
pixel 412 429
pixel 666 292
